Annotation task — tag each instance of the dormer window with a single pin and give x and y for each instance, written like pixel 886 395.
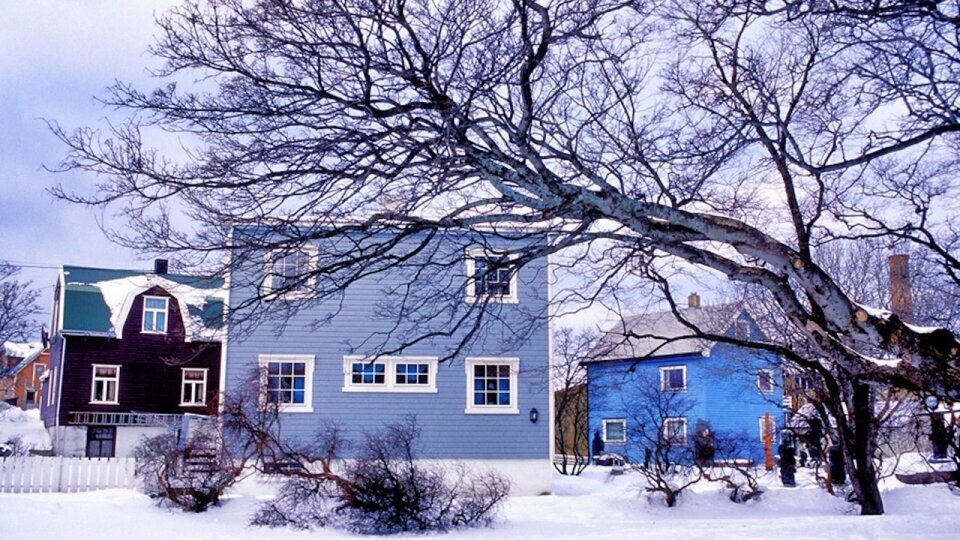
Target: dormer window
pixel 155 314
pixel 491 277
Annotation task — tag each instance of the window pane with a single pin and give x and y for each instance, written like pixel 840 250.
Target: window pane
pixel 504 398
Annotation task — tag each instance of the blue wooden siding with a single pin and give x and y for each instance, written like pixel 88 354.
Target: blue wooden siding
pixel 447 431
pixel 721 389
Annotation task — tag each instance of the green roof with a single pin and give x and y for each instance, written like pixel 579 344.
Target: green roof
pixel 85 311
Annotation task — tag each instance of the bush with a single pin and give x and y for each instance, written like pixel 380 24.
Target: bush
pixel 385 490
pixel 192 476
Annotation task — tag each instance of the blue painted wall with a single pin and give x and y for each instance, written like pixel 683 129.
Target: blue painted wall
pixel 721 389
pixel 356 325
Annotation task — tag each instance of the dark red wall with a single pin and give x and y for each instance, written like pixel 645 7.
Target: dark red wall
pixel 150 372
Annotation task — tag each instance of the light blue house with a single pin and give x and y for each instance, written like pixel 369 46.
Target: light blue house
pixel 653 380
pixel 452 329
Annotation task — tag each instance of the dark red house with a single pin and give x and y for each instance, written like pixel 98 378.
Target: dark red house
pixel 131 353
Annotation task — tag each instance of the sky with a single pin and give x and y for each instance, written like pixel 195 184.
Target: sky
pixel 55 57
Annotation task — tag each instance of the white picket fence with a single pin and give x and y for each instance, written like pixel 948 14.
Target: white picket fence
pixel 65 475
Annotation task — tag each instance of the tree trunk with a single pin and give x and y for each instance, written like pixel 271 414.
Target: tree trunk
pixel 864 476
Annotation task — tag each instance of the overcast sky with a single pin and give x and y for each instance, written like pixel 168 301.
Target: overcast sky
pixel 55 57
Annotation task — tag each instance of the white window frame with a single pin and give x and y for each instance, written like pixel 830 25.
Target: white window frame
pixel 664 433
pixel 93 384
pixel 51 382
pixel 270 259
pixel 773 429
pixel 308 359
pixel 663 379
pixel 514 407
pixel 773 381
pixel 472 255
pixel 202 394
pixel 390 374
pixel 165 311
pixel 623 422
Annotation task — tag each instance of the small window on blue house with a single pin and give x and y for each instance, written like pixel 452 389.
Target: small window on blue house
pixel 368 373
pixel 673 378
pixel 413 374
pixel 154 314
pixel 742 330
pixel 615 430
pixel 289 273
pixel 400 374
pixel 288 381
pixel 492 386
pixel 675 431
pixel 765 382
pixel 491 277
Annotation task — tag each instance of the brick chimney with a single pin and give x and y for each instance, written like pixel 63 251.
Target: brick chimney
pixel 693 300
pixel 160 266
pixel 901 297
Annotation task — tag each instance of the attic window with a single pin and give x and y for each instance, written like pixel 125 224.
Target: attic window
pixel 289 273
pixel 742 330
pixel 155 314
pixel 765 381
pixel 673 379
pixel 491 277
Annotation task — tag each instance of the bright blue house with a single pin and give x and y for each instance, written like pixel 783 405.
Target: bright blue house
pixel 452 329
pixel 652 378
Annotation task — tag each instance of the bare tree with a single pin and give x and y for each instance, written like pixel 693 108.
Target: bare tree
pixel 570 407
pixel 732 136
pixel 18 305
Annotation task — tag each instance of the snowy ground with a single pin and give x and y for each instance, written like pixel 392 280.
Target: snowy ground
pixel 592 506
pixel 22 428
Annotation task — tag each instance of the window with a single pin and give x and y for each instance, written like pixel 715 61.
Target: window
pixel 491 277
pixel 615 431
pixel 390 374
pixel 492 385
pixel 106 382
pixel 675 431
pixel 288 273
pixel 38 371
pixel 763 428
pixel 155 314
pixel 673 379
pixel 368 373
pixel 742 330
pixel 765 381
pixel 30 397
pixel 101 441
pixel 194 387
pixel 289 381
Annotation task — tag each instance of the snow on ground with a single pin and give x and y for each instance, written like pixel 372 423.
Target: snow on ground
pixel 594 505
pixel 25 425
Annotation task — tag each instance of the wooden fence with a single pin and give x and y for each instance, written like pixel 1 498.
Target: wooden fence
pixel 65 475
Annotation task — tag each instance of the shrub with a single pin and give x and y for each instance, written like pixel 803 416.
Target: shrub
pixel 385 490
pixel 192 475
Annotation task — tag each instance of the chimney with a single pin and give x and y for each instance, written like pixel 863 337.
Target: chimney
pixel 901 297
pixel 693 300
pixel 160 266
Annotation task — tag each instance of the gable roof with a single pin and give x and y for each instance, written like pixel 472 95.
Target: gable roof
pixel 661 333
pixel 23 352
pixel 96 301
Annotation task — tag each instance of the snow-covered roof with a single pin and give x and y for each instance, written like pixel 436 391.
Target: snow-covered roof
pixel 24 353
pixel 661 333
pixel 97 301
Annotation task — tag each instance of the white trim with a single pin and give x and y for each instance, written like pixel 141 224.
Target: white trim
pixel 166 315
pixel 622 421
pixel 266 286
pixel 663 386
pixel 93 384
pixel 308 360
pixel 671 419
pixel 773 428
pixel 471 268
pixel 225 332
pixel 203 394
pixel 773 381
pixel 514 364
pixel 390 384
pixel 551 398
